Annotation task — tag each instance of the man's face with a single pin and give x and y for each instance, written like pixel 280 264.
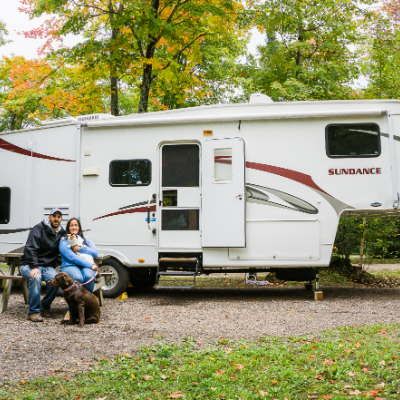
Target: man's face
pixel 55 220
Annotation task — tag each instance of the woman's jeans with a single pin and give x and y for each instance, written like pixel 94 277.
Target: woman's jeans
pixel 35 285
pixel 81 275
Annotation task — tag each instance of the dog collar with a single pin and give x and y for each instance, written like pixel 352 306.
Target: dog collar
pixel 73 285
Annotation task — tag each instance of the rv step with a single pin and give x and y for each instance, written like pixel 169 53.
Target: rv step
pixel 178 259
pixel 175 287
pixel 177 273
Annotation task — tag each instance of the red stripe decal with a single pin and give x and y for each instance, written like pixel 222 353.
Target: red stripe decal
pixel 132 210
pixel 15 149
pixel 286 173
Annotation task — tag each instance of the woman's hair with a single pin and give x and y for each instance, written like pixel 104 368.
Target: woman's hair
pixel 80 233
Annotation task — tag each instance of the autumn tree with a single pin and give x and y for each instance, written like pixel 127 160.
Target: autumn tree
pixel 34 90
pixel 142 39
pixel 309 53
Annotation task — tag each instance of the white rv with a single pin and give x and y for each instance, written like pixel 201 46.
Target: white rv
pixel 224 188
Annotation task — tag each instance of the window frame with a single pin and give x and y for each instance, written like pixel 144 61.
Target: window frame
pixel 128 185
pixel 354 156
pixel 9 206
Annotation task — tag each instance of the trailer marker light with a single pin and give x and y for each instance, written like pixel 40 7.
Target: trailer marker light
pixel 141 260
pixel 207 132
pixel 376 204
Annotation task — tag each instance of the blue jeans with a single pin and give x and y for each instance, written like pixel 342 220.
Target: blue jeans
pixel 35 285
pixel 81 275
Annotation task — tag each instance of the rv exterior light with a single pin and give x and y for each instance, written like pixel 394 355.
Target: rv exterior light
pixel 259 98
pixel 141 260
pixel 207 132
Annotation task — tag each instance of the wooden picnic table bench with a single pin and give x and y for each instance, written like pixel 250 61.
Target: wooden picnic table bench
pixel 12 259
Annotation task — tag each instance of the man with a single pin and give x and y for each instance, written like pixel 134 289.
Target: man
pixel 38 262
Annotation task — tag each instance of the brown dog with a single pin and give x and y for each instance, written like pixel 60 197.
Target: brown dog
pixel 81 303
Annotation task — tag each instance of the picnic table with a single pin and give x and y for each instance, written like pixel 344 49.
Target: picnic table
pixel 12 259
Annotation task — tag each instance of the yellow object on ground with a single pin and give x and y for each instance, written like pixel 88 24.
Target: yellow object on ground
pixel 124 296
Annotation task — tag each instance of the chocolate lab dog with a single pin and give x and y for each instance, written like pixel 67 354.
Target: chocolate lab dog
pixel 81 303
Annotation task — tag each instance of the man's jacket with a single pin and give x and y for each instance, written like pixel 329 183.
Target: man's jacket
pixel 41 249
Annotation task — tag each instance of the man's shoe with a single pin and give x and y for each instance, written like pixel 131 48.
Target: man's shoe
pixel 35 318
pixel 45 314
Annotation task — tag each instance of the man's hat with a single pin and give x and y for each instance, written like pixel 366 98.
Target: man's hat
pixel 55 210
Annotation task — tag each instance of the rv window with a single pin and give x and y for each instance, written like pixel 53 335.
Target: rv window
pixel 180 165
pixel 352 140
pixel 130 173
pixel 5 202
pixel 180 220
pixel 222 165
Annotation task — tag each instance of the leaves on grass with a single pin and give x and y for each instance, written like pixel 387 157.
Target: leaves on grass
pixel 327 396
pixel 383 332
pixel 275 382
pixel 164 376
pixel 262 393
pixel 219 373
pixel 355 392
pixel 328 362
pixel 239 366
pixel 382 362
pixel 228 351
pixel 147 377
pixel 133 376
pixel 213 388
pixel 351 374
pixel 176 395
pixel 314 396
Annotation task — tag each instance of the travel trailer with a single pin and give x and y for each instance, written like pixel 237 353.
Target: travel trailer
pixel 247 188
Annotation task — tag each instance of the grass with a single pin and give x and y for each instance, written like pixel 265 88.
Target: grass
pixel 341 364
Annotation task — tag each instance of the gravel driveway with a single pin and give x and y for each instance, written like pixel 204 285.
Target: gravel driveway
pixel 30 350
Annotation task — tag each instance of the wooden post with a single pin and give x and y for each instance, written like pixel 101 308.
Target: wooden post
pixel 12 262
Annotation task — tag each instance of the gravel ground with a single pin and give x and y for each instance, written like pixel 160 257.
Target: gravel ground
pixel 383 267
pixel 29 350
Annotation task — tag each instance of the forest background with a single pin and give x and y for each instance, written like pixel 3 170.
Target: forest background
pixel 150 55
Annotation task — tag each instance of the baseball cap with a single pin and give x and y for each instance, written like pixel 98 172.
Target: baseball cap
pixel 55 210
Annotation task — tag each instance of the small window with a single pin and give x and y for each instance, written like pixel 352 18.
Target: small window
pixel 353 140
pixel 180 220
pixel 5 205
pixel 223 165
pixel 180 165
pixel 130 173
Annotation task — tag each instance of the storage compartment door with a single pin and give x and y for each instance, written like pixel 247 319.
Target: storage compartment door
pixel 223 193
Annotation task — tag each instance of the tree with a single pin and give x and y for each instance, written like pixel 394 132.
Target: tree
pixel 309 51
pixel 382 55
pixel 40 89
pixel 144 39
pixel 3 33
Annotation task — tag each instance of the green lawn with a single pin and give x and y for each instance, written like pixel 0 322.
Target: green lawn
pixel 348 363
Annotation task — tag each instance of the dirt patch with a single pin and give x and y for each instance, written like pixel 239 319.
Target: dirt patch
pixel 29 350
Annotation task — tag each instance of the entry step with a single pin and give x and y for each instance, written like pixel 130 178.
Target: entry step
pixel 176 273
pixel 175 287
pixel 178 259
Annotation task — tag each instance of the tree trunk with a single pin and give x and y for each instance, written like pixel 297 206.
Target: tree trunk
pixel 360 264
pixel 145 88
pixel 114 95
pixel 299 55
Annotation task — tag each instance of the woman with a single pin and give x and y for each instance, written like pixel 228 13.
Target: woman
pixel 74 265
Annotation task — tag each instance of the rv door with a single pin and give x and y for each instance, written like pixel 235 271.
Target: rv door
pixel 223 193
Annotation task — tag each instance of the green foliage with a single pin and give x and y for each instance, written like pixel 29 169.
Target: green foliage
pixel 3 33
pixel 343 363
pixel 308 51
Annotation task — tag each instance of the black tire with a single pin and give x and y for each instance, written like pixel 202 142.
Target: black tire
pixel 143 277
pixel 118 283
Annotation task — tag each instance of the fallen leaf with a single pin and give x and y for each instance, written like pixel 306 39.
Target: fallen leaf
pixel 352 374
pixel 199 342
pixel 313 356
pixel 275 382
pixel 164 377
pixel 327 396
pixel 239 366
pixel 133 376
pixel 127 355
pixel 147 377
pixel 382 384
pixel 151 359
pixel 328 362
pixel 355 392
pixel 366 370
pixel 195 383
pixel 314 396
pixel 213 388
pixel 383 332
pixel 228 351
pixel 262 393
pixel 382 362
pixel 219 373
pixel 23 382
pixel 176 395
pixel 332 381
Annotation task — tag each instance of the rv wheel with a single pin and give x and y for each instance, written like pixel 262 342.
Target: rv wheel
pixel 143 278
pixel 119 281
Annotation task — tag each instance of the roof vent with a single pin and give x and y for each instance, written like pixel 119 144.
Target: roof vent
pixel 258 98
pixel 94 117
